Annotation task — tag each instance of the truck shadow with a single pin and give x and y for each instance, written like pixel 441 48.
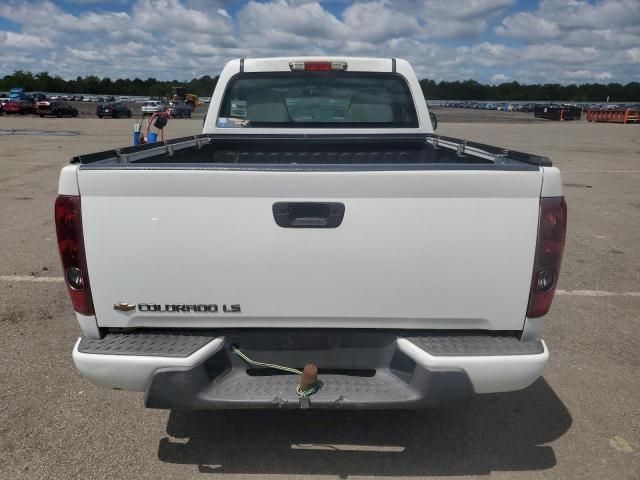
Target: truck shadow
pixel 504 432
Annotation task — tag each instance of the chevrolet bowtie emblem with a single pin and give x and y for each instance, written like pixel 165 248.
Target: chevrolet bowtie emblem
pixel 124 307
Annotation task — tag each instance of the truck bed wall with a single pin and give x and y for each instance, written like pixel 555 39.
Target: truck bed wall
pixel 312 151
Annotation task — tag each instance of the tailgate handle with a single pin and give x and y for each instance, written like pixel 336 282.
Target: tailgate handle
pixel 308 214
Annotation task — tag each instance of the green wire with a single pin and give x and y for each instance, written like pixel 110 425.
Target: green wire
pixel 265 365
pixel 303 393
pixel 309 391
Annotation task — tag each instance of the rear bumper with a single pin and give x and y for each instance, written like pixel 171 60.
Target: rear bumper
pixel 358 369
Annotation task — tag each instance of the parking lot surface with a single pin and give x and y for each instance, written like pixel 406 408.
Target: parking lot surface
pixel 581 420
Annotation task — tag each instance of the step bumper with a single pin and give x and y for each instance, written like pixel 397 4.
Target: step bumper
pixel 357 369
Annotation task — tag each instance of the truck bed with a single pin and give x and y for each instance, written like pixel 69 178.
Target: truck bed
pixel 414 151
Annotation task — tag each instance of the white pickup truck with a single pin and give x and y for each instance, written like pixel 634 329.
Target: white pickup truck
pixel 318 222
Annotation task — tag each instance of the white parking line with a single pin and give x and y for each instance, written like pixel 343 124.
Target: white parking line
pixel 600 171
pixel 29 278
pixel 596 293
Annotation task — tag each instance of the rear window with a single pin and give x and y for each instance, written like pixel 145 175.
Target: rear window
pixel 317 100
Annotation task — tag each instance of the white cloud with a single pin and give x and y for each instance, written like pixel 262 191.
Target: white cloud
pixel 152 14
pixel 452 18
pixel 557 54
pixel 459 9
pixel 611 38
pixel 87 55
pixel 634 54
pixel 486 54
pixel 601 24
pixel 499 78
pixel 527 26
pixel 309 20
pixel 23 41
pixel 586 14
pixel 456 28
pixel 584 75
pixel 556 40
pixel 378 21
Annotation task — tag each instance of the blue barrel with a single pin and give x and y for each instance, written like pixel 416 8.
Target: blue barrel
pixel 153 137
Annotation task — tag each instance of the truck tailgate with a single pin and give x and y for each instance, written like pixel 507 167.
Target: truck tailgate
pixel 450 249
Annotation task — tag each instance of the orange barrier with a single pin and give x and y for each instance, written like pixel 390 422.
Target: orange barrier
pixel 614 116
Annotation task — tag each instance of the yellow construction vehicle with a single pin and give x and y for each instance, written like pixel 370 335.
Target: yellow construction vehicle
pixel 179 94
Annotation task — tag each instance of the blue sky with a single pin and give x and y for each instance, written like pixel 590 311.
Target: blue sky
pixel 566 41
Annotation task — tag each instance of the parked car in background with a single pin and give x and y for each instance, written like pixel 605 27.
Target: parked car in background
pixel 17 94
pixel 526 107
pixel 19 106
pixel 40 104
pixel 57 109
pixel 153 107
pixel 181 110
pixel 113 110
pixel 558 112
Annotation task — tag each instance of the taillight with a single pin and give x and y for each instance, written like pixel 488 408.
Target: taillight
pixel 317 66
pixel 71 246
pixel 551 235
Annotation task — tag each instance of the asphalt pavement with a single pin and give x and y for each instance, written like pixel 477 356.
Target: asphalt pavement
pixel 581 420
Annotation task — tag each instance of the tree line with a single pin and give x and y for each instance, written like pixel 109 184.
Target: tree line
pixel 91 84
pixel 586 92
pixel 457 90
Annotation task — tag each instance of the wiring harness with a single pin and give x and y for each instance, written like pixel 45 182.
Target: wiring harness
pixel 302 393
